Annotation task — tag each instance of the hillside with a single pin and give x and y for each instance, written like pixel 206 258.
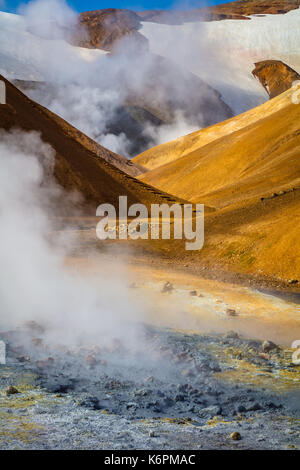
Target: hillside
pixel 249 156
pixel 80 163
pixel 248 168
pixel 182 146
pixel 105 28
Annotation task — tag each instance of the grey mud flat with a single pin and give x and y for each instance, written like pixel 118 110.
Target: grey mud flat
pixel 184 391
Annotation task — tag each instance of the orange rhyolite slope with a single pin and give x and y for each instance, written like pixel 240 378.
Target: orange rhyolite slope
pixel 248 168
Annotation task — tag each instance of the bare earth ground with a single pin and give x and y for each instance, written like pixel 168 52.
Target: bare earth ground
pixel 202 375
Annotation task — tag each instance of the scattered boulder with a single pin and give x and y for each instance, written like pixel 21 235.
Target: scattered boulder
pixel 91 402
pixel 210 411
pixel 23 358
pixel 235 436
pixel 91 360
pixel 142 392
pixel 193 293
pixel 179 397
pixel 231 335
pixel 265 356
pixel 268 346
pixel 149 379
pixel 230 312
pixel 255 407
pixel 168 287
pixel 131 405
pixel 293 281
pixel 12 390
pixel 182 357
pixel 241 409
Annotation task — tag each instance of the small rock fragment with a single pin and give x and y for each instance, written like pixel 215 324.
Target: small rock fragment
pixel 23 358
pixel 232 335
pixel 235 436
pixel 91 360
pixel 210 411
pixel 12 390
pixel 168 287
pixel 179 397
pixel 265 356
pixel 149 379
pixel 230 312
pixel 91 402
pixel 268 346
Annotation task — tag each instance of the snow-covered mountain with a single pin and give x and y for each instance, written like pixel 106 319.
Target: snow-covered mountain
pixel 220 54
pixel 26 56
pixel 223 53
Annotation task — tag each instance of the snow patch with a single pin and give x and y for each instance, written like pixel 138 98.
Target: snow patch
pixel 223 53
pixel 25 56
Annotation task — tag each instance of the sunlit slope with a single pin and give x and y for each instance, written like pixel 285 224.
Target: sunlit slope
pixel 165 153
pixel 258 239
pixel 248 157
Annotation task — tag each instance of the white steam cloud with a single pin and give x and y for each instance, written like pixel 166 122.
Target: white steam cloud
pixel 96 91
pixel 34 283
pixel 49 19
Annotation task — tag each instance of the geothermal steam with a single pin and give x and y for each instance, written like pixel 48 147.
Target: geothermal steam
pixel 88 87
pixel 34 283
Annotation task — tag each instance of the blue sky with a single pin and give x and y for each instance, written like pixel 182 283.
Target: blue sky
pixel 80 5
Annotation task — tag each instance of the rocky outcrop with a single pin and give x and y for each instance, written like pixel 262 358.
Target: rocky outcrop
pixel 104 28
pixel 275 76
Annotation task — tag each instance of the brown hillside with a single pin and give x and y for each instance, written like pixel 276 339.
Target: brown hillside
pixel 165 153
pixel 104 28
pixel 77 166
pixel 250 172
pixel 275 76
pixel 253 161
